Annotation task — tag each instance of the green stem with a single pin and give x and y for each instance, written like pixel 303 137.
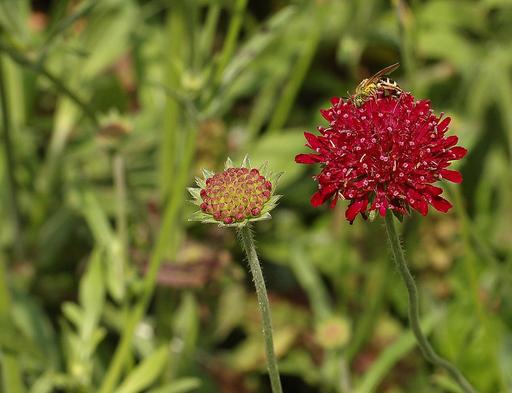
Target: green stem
pixel 247 241
pixel 289 92
pixel 207 35
pixel 121 265
pixel 345 384
pixel 169 151
pixel 121 198
pixel 121 355
pixel 414 319
pixel 10 165
pixel 231 37
pixel 407 38
pixel 12 381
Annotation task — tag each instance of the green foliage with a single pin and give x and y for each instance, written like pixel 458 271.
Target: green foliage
pixel 97 256
pixel 146 373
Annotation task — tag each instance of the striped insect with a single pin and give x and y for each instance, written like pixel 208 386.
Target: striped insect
pixel 370 87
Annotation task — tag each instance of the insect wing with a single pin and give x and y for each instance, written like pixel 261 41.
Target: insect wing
pixel 388 70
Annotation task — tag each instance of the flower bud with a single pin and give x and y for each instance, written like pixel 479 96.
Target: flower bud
pixel 236 195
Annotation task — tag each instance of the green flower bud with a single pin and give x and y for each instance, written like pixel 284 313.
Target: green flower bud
pixel 235 196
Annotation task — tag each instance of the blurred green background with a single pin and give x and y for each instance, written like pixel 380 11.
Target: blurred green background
pixel 109 110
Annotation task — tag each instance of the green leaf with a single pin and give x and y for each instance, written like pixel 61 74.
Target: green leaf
pixel 92 294
pixel 186 321
pixel 35 328
pixel 145 373
pixel 104 235
pixel 73 313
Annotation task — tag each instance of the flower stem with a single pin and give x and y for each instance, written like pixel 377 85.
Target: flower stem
pixel 246 238
pixel 412 291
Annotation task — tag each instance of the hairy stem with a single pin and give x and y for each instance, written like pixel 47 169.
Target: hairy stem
pixel 246 238
pixel 414 321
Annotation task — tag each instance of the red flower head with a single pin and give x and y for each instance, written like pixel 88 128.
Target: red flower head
pixel 383 155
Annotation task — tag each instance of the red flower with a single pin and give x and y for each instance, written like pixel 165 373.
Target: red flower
pixel 383 155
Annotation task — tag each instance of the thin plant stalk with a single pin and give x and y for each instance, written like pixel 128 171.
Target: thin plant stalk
pixel 10 165
pixel 235 24
pixel 414 319
pixel 119 177
pixel 207 35
pixel 407 38
pixel 169 143
pixel 291 88
pixel 247 240
pixel 121 198
pixel 345 384
pixel 10 368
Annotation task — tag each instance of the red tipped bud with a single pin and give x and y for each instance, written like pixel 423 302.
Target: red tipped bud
pixel 235 194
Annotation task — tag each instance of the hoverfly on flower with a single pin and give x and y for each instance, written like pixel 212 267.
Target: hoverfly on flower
pixel 370 87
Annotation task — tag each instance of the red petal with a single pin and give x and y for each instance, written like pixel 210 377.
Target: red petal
pixel 421 206
pixel 322 195
pixel 441 204
pixel 326 114
pixel 307 158
pixel 451 141
pixel 458 152
pixel 335 100
pixel 312 140
pixel 317 199
pixel 441 127
pixel 351 212
pixel 433 190
pixel 452 176
pixel 355 208
pixel 383 207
